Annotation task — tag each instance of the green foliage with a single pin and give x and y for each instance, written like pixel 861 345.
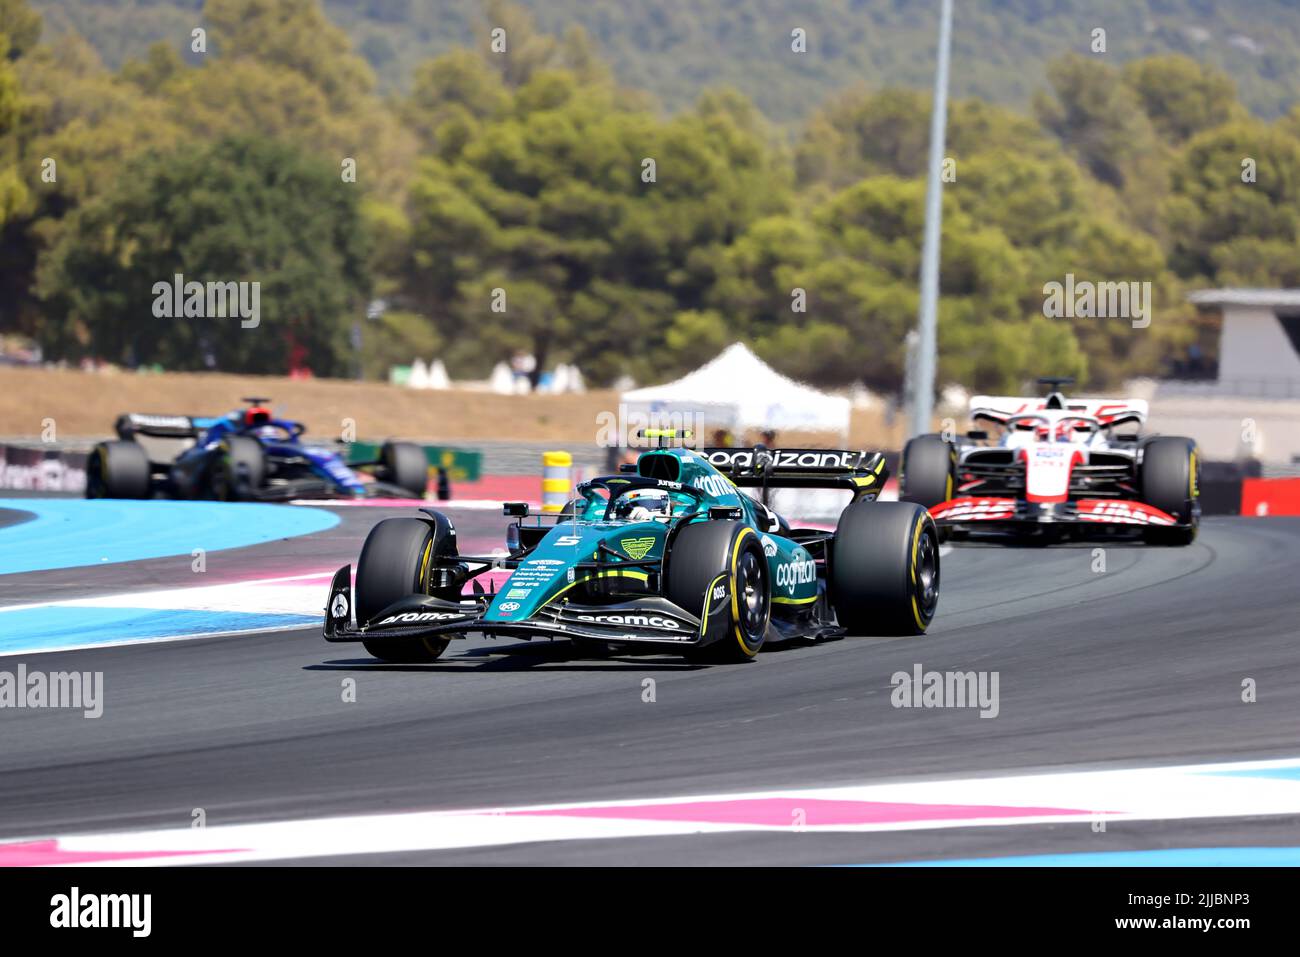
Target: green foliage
pixel 539 191
pixel 1218 221
pixel 1181 96
pixel 1100 118
pixel 241 210
pixel 21 25
pixel 12 191
pixel 395 339
pixel 294 35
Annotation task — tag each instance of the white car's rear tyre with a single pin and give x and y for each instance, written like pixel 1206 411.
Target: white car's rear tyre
pixel 927 470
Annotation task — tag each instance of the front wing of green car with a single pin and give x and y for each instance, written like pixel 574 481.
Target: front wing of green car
pixel 649 619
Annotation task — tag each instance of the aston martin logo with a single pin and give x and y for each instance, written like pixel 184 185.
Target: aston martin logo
pixel 637 548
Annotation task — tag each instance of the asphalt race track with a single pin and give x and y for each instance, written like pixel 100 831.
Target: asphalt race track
pixel 1137 666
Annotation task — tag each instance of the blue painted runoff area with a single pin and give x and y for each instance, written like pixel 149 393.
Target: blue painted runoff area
pixel 1165 857
pixel 62 626
pixel 1286 773
pixel 73 533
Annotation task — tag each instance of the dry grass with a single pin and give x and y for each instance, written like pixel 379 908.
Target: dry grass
pixel 84 405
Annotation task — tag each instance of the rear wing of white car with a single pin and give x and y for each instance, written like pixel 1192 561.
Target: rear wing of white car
pixel 999 408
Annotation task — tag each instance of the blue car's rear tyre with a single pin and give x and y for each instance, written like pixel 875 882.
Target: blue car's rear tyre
pixel 238 469
pixel 406 466
pixel 700 553
pixel 885 569
pixel 396 561
pixel 118 469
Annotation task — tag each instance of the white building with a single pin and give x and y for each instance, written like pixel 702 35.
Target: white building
pixel 1252 408
pixel 1259 347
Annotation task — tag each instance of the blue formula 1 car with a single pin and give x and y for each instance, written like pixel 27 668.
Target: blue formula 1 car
pixel 671 554
pixel 246 456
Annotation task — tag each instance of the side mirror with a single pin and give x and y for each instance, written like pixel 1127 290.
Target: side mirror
pixel 977 434
pixel 719 513
pixel 627 466
pixel 515 509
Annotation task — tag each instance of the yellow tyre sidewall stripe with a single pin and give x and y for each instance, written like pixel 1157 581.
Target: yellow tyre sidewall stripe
pixel 423 581
pixel 916 546
pixel 735 597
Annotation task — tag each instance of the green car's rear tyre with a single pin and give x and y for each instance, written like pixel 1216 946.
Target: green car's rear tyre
pixel 703 551
pixel 396 561
pixel 885 569
pixel 118 469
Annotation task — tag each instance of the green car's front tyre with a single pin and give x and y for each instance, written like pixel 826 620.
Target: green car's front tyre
pixel 707 554
pixel 395 562
pixel 885 569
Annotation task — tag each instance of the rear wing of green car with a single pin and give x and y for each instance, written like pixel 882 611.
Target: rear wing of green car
pixel 859 472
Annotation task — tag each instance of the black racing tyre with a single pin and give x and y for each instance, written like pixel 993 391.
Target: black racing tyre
pixel 237 470
pixel 1169 479
pixel 926 473
pixel 405 465
pixel 700 553
pixel 884 572
pixel 395 562
pixel 118 469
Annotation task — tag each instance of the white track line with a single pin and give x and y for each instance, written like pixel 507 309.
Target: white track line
pixel 1168 793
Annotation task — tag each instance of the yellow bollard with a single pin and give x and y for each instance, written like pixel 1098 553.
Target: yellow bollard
pixel 557 480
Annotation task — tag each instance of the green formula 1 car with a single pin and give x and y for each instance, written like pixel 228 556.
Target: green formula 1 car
pixel 672 553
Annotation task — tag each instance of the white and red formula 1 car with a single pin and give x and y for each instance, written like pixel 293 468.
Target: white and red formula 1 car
pixel 1059 468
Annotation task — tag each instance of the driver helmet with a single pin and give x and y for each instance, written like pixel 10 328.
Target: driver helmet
pixel 643 505
pixel 1062 431
pixel 256 416
pixel 1047 431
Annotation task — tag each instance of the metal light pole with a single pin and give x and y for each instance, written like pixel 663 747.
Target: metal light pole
pixel 923 384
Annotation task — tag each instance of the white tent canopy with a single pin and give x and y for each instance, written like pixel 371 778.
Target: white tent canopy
pixel 740 390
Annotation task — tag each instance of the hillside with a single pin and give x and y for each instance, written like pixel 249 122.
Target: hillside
pixel 675 48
